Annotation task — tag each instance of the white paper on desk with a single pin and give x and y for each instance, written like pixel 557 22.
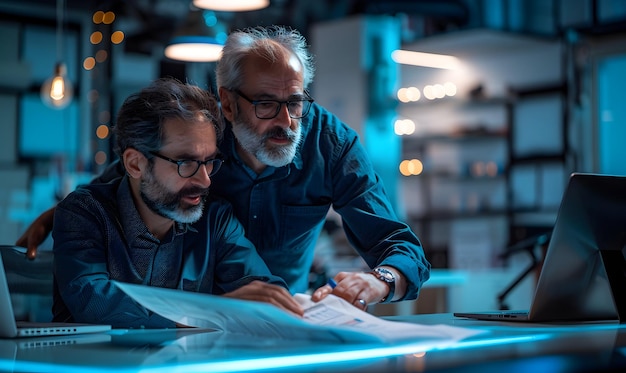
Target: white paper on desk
pixel 336 311
pixel 332 319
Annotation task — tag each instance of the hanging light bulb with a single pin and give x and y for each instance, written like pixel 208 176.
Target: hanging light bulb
pixel 56 91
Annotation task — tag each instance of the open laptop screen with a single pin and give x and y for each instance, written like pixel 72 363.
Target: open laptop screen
pixel 589 236
pixel 584 272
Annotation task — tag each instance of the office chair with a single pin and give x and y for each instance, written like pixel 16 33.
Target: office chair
pixel 528 246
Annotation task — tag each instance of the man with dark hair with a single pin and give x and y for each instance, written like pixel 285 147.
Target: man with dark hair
pixel 157 225
pixel 287 161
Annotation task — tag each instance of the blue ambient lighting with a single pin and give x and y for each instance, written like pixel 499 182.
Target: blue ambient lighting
pixel 366 353
pixel 259 364
pixel 303 360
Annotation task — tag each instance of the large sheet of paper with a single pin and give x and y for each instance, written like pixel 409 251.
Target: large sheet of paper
pixel 332 319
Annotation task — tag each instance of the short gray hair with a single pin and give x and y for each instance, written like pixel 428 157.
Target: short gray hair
pixel 254 41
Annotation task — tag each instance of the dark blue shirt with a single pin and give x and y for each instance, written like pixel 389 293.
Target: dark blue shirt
pixel 283 209
pixel 99 236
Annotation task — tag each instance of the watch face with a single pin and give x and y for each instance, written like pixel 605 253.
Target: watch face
pixel 388 277
pixel 385 275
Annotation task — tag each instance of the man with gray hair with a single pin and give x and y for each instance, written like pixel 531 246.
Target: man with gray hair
pixel 287 161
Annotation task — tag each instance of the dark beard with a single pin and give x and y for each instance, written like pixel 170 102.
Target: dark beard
pixel 167 204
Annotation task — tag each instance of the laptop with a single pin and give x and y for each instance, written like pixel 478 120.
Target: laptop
pixel 9 328
pixel 583 271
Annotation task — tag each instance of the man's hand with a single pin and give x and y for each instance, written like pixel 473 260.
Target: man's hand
pixel 269 293
pixel 359 288
pixel 36 233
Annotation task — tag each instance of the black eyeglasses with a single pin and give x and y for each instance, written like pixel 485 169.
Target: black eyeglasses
pixel 268 109
pixel 188 167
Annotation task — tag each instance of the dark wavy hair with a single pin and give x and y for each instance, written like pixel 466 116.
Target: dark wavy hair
pixel 140 120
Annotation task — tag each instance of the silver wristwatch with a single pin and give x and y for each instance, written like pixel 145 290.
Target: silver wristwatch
pixel 387 277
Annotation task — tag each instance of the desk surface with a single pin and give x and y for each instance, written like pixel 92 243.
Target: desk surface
pixel 504 347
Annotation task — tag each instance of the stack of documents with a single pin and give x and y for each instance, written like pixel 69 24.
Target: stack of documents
pixel 332 319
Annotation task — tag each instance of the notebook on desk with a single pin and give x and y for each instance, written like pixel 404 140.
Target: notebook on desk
pixel 583 271
pixel 9 328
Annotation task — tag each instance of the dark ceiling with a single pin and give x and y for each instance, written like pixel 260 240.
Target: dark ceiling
pixel 154 22
pixel 157 20
pixel 161 18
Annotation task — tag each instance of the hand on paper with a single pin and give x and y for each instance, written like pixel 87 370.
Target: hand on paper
pixel 354 287
pixel 269 293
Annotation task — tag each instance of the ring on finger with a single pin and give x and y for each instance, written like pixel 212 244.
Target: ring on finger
pixel 362 303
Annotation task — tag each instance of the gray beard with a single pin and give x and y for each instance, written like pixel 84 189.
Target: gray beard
pixel 271 155
pixel 167 204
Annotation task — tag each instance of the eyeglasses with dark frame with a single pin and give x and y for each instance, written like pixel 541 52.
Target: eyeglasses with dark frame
pixel 189 167
pixel 268 109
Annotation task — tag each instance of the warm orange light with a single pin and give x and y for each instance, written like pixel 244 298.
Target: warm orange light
pixel 96 37
pixel 117 37
pixel 57 91
pixel 102 131
pixel 98 17
pixel 411 167
pixel 89 63
pixel 108 18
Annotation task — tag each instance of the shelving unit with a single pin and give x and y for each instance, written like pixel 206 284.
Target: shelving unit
pixel 465 170
pixel 488 176
pixel 543 166
pixel 508 112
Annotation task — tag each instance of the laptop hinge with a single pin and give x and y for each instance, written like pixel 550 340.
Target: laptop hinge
pixel 615 267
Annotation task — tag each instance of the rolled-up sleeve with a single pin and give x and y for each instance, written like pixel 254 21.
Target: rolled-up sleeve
pixel 370 223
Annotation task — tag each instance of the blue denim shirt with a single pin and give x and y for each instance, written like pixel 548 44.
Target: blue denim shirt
pixel 99 236
pixel 283 209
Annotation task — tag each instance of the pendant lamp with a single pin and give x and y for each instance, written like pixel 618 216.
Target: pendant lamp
pixel 195 41
pixel 231 5
pixel 56 92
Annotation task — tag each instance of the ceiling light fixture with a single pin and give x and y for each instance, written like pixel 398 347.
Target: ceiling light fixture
pixel 438 61
pixel 194 49
pixel 56 91
pixel 197 40
pixel 231 5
